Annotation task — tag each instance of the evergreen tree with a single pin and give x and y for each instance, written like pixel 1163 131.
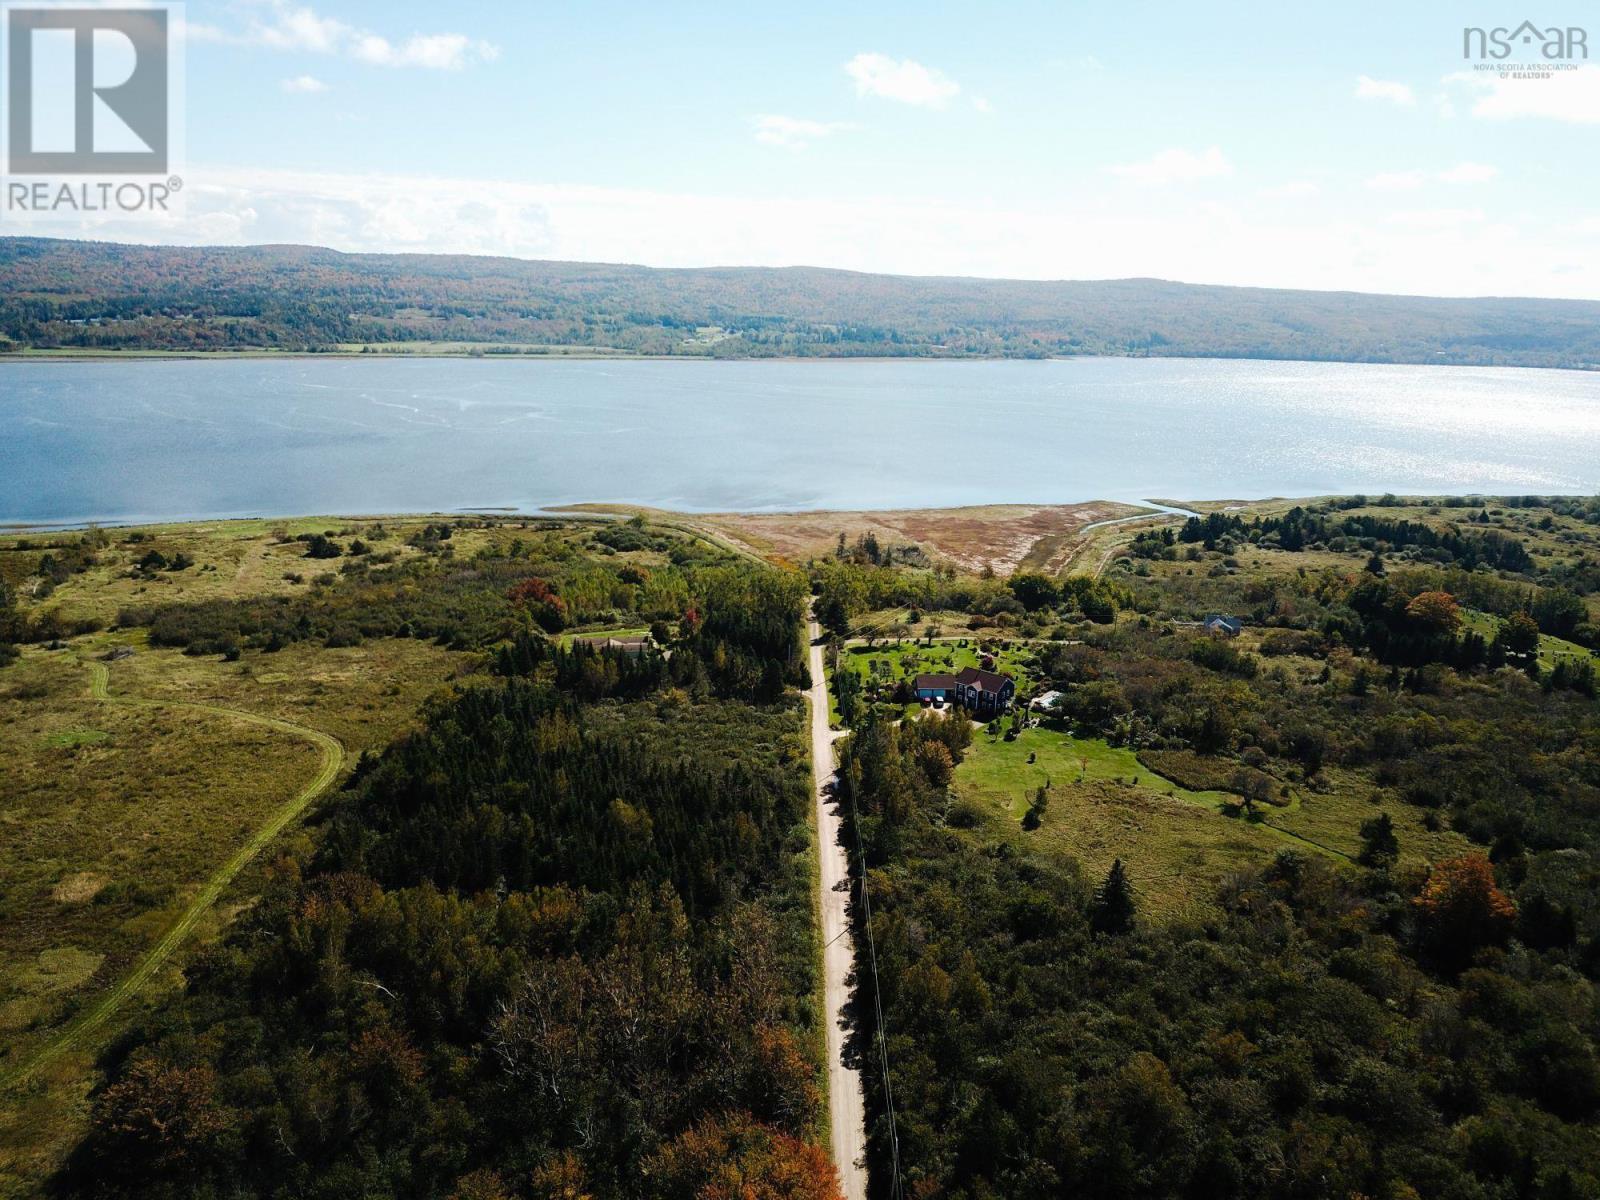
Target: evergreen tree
pixel 1034 817
pixel 833 616
pixel 1379 846
pixel 847 686
pixel 1112 910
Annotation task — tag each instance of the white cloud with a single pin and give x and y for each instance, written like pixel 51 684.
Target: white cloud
pixel 1410 181
pixel 1397 181
pixel 304 85
pixel 796 133
pixel 1095 237
pixel 1437 218
pixel 1368 88
pixel 439 51
pixel 982 104
pixel 1294 189
pixel 285 27
pixel 1572 96
pixel 1469 172
pixel 301 29
pixel 904 80
pixel 1175 166
pixel 196 31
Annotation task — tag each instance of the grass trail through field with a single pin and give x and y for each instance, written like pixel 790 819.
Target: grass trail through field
pixel 332 759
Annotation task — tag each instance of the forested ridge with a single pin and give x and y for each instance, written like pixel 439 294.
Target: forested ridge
pixel 63 294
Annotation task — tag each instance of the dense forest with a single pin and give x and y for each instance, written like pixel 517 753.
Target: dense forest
pixel 63 294
pixel 537 954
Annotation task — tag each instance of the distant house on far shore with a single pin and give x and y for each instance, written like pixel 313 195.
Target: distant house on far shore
pixel 1222 623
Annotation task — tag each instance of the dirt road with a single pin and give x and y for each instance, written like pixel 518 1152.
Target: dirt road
pixel 846 1111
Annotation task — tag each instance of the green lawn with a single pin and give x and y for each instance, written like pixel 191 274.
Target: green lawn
pixel 1551 648
pixel 995 767
pixel 1180 843
pixel 1176 844
pixel 1105 804
pixel 909 659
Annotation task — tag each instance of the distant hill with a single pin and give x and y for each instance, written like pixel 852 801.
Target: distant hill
pixel 59 294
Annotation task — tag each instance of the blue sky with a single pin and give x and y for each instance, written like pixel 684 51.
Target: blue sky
pixel 1321 146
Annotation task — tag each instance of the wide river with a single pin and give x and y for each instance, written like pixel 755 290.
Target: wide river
pixel 143 441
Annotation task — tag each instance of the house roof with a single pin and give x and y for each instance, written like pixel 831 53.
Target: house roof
pixel 604 641
pixel 988 681
pixel 946 682
pixel 1224 620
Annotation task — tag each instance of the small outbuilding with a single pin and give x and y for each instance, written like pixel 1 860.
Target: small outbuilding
pixel 1223 624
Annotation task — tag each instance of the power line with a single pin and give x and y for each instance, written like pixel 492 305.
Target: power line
pixel 896 1187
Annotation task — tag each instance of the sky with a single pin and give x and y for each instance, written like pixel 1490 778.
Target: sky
pixel 1347 146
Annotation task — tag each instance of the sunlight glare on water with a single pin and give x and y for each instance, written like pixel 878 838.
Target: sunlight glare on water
pixel 166 440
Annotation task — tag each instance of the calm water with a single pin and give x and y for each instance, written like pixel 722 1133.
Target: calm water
pixel 137 441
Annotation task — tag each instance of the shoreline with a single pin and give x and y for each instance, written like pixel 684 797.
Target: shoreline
pixel 557 354
pixel 603 511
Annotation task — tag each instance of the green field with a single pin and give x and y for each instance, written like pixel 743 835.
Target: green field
pixel 1105 804
pixel 1552 649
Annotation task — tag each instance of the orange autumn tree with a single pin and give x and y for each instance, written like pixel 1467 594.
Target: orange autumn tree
pixel 736 1157
pixel 1461 909
pixel 1437 612
pixel 540 600
pixel 161 1117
